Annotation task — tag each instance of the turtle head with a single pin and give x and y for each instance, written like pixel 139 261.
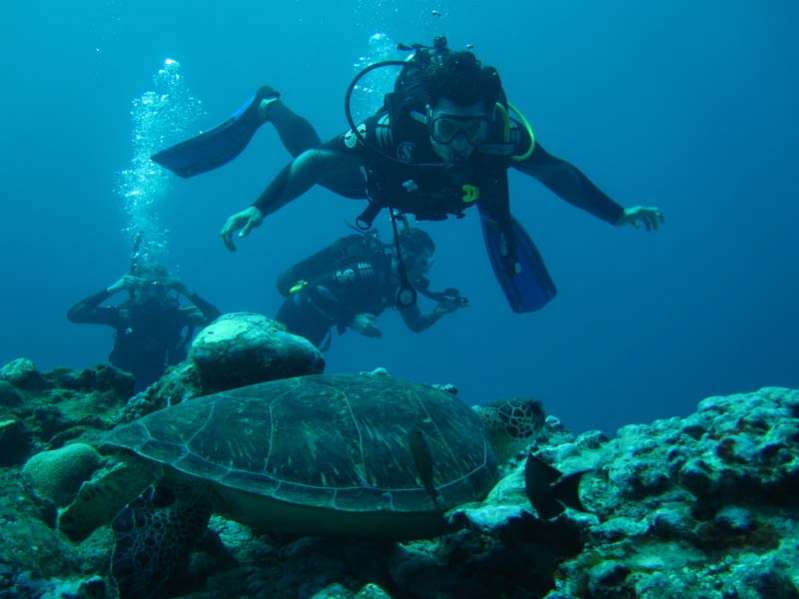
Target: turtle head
pixel 511 424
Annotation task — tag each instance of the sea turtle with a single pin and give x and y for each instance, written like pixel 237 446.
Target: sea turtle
pixel 352 455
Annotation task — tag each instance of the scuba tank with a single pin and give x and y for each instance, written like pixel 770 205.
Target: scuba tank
pixel 344 251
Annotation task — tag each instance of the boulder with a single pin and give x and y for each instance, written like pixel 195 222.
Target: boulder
pixel 22 373
pixel 243 348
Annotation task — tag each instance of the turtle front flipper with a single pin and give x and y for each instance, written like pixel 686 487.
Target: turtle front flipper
pixel 154 536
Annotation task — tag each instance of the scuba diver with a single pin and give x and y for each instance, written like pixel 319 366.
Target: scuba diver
pixel 351 282
pixel 442 142
pixel 152 328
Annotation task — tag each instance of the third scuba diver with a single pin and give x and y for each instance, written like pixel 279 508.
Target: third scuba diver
pixel 352 281
pixel 152 329
pixel 442 142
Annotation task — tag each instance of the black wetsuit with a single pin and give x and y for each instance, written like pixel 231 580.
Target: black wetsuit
pixel 149 336
pixel 361 173
pixel 357 279
pixel 363 177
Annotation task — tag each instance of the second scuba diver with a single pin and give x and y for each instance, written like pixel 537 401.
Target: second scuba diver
pixel 351 282
pixel 442 142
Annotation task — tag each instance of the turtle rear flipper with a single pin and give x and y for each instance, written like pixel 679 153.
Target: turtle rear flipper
pixel 154 537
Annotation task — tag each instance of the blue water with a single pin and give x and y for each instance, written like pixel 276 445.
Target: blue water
pixel 687 106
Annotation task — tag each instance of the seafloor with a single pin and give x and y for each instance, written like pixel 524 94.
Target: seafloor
pixel 703 506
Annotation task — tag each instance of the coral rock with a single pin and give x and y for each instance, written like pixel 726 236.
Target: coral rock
pixel 243 348
pixel 22 373
pixel 58 474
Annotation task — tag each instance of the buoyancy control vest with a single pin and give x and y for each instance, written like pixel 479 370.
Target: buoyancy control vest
pixel 342 253
pixel 426 193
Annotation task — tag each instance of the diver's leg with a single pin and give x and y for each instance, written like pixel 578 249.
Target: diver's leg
pixel 300 318
pixel 296 133
pixel 339 172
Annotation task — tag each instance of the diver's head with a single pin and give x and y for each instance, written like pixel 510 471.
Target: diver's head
pixel 417 252
pixel 461 95
pixel 154 287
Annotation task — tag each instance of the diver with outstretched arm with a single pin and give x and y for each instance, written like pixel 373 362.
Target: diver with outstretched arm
pixel 333 168
pixel 443 142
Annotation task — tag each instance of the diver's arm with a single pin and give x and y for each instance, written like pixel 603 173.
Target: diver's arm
pixel 316 166
pixel 89 311
pixel 364 324
pixel 208 311
pixel 417 322
pixel 570 184
pixel 201 312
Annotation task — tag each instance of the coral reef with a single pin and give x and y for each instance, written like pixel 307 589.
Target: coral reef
pixel 702 506
pixel 40 411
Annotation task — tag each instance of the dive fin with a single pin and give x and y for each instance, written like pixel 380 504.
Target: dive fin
pixel 517 265
pixel 218 146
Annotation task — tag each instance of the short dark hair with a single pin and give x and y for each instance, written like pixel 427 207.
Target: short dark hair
pixel 461 78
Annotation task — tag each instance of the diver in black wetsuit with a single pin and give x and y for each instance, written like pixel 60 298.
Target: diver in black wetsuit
pixel 351 282
pixel 443 142
pixel 152 328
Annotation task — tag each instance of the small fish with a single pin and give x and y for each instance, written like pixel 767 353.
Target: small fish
pixel 550 491
pixel 436 13
pixel 470 46
pixel 423 459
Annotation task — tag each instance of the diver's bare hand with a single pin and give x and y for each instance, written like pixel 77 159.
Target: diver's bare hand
pixel 177 286
pixel 243 222
pixel 125 282
pixel 447 306
pixel 364 324
pixel 651 217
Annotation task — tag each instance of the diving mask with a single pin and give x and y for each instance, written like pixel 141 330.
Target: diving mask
pixel 443 129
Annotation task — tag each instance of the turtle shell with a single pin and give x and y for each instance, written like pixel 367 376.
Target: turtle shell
pixel 337 442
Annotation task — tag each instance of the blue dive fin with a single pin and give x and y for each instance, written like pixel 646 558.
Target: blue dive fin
pixel 218 146
pixel 518 265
